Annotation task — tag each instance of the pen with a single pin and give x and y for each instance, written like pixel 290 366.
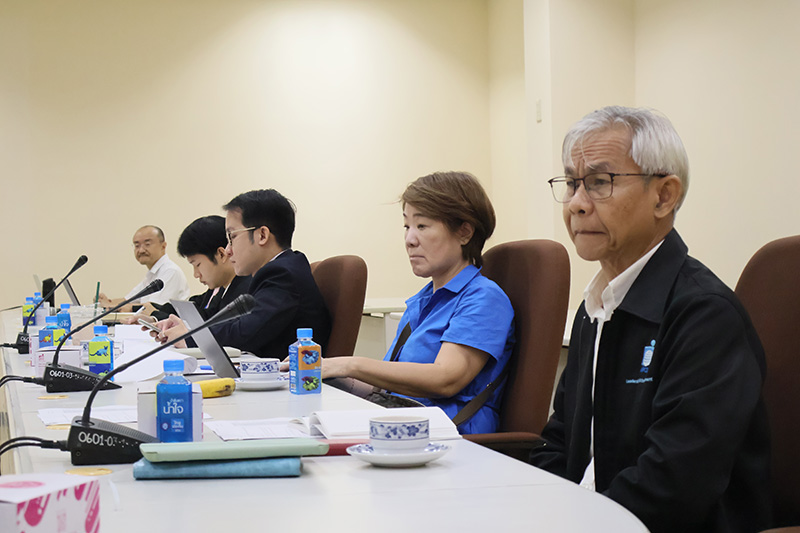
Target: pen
pixel 96 297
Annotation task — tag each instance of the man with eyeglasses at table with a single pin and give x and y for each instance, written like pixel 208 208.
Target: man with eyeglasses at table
pixel 150 250
pixel 259 225
pixel 659 406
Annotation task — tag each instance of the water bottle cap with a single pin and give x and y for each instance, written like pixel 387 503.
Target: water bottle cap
pixel 64 306
pixel 29 299
pixel 51 319
pixel 305 333
pixel 37 294
pixel 100 330
pixel 173 365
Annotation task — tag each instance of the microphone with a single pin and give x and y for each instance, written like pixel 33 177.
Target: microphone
pixel 23 339
pixel 66 378
pixel 92 441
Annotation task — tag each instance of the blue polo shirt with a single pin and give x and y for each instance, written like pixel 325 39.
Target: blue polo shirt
pixel 470 310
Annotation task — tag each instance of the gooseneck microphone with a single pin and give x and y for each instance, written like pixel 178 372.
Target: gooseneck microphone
pixel 66 378
pixel 92 441
pixel 23 339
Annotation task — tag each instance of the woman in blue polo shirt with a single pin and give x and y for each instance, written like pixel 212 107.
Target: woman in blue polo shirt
pixel 461 323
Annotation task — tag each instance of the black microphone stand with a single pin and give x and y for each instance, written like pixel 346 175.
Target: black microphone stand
pixel 93 441
pixel 23 339
pixel 66 378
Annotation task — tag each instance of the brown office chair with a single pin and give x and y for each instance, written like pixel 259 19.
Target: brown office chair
pixel 342 280
pixel 535 276
pixel 769 288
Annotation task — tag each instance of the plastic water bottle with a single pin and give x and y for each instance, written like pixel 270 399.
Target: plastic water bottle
pixel 43 312
pixel 64 319
pixel 51 333
pixel 305 364
pixel 174 404
pixel 101 352
pixel 27 311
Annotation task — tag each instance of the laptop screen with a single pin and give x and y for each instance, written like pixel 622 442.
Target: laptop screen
pixel 215 355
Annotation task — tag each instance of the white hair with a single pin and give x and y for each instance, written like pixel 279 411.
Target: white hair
pixel 655 145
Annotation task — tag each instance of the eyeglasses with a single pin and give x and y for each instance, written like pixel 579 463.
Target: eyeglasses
pixel 144 244
pixel 598 186
pixel 232 234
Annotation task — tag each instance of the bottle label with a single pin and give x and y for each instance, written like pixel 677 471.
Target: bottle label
pixel 101 356
pixel 174 415
pixel 50 336
pixel 64 321
pixel 305 368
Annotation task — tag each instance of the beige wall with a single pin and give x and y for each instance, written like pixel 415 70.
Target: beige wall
pixel 116 114
pixel 579 56
pixel 727 74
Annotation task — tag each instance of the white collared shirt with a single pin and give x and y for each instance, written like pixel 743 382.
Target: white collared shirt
pixel 175 284
pixel 601 299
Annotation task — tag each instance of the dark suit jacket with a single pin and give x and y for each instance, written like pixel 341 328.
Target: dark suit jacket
pixel 238 286
pixel 287 298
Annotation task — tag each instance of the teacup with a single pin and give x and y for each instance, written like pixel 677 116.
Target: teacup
pixel 398 434
pixel 260 370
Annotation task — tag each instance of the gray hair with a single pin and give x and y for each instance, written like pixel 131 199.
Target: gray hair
pixel 655 145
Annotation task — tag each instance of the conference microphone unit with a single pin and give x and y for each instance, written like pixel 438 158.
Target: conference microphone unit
pixel 66 378
pixel 93 441
pixel 23 339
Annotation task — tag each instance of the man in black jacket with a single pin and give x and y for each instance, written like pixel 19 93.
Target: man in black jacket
pixel 659 407
pixel 259 226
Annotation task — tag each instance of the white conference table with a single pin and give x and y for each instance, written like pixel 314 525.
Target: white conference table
pixel 470 488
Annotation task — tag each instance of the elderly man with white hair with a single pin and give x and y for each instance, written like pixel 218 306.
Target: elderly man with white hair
pixel 659 407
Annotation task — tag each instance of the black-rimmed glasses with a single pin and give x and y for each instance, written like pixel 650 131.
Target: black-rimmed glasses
pixel 232 234
pixel 598 185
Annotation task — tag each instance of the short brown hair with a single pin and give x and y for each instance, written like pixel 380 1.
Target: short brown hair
pixel 454 198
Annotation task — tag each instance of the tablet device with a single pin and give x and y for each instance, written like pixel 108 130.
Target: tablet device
pixel 71 293
pixel 215 355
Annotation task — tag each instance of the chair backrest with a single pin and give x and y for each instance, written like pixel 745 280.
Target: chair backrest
pixel 342 280
pixel 769 288
pixel 535 276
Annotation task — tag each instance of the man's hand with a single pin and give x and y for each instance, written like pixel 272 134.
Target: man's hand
pixel 104 301
pixel 171 328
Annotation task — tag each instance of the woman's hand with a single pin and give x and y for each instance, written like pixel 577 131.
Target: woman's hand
pixel 336 367
pixel 455 367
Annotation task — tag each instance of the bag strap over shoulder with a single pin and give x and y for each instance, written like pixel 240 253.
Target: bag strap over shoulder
pixel 472 407
pixel 401 340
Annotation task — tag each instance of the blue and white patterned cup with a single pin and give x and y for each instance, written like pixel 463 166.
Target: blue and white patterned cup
pixel 398 434
pixel 260 370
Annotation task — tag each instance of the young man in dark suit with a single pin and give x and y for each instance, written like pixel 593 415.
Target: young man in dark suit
pixel 259 226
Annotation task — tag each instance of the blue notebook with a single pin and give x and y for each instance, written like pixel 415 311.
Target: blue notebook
pixel 269 467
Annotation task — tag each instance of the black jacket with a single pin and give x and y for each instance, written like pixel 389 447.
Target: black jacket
pixel 287 298
pixel 238 286
pixel 680 440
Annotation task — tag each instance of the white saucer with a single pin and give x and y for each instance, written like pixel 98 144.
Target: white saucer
pixel 273 384
pixel 365 452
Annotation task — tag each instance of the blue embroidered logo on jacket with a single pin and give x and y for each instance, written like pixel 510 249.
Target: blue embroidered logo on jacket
pixel 647 357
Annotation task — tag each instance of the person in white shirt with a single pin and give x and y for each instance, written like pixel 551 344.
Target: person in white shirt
pixel 150 249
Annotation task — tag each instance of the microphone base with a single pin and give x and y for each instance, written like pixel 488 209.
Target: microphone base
pixel 23 343
pixel 103 443
pixel 65 378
